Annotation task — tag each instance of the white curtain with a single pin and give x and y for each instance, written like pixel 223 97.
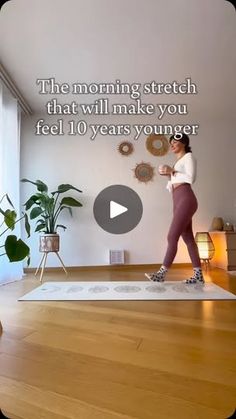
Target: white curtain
pixel 9 172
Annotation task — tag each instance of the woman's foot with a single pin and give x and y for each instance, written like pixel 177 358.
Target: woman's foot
pixel 197 277
pixel 158 276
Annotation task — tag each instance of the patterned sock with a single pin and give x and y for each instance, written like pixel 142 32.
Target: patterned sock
pixel 196 278
pixel 158 276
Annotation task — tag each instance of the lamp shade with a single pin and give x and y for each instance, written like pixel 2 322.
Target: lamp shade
pixel 205 245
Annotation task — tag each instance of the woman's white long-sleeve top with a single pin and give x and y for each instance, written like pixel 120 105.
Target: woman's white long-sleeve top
pixel 185 171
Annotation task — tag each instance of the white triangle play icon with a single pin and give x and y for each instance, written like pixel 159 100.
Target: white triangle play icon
pixel 116 209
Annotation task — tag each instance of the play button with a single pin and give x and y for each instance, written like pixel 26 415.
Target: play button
pixel 118 209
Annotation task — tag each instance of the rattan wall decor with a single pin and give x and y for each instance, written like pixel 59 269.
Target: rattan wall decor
pixel 157 144
pixel 144 172
pixel 126 148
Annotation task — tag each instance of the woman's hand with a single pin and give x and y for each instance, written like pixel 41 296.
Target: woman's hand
pixel 165 170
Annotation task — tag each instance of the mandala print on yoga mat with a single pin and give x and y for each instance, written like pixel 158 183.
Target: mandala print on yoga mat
pixel 50 289
pixel 156 288
pixel 127 288
pixel 181 288
pixel 75 289
pixel 98 289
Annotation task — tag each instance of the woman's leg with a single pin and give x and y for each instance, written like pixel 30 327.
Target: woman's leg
pixel 188 238
pixel 185 205
pixel 182 217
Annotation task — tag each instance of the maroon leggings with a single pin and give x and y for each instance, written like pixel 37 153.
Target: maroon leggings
pixel 184 206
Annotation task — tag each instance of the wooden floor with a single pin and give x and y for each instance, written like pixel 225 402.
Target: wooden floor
pixel 117 360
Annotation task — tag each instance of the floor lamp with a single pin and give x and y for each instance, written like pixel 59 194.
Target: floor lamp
pixel 206 247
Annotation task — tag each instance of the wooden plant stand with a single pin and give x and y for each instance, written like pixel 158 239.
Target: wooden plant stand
pixel 42 264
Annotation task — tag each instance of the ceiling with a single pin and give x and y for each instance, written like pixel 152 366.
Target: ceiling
pixel 133 41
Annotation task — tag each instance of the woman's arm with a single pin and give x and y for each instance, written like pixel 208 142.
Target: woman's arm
pixel 166 170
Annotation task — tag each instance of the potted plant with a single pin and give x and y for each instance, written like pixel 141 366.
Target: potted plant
pixel 47 207
pixel 11 246
pixel 14 248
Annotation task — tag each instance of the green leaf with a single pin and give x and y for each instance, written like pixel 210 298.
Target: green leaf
pixel 31 201
pixel 27 224
pixel 64 187
pixel 10 219
pixel 43 198
pixel 16 250
pixel 9 201
pixel 40 227
pixel 41 220
pixel 41 186
pixel 71 202
pixel 61 226
pixel 36 211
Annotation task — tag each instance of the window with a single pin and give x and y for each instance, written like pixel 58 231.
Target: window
pixel 9 169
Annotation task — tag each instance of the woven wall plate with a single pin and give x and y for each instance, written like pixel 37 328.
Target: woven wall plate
pixel 125 148
pixel 144 172
pixel 157 145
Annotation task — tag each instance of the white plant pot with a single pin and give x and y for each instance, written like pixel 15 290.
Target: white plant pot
pixel 49 243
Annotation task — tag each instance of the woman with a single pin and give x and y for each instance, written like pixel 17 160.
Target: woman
pixel 181 176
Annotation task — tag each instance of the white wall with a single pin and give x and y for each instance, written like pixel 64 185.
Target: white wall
pixel 94 165
pixel 93 41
